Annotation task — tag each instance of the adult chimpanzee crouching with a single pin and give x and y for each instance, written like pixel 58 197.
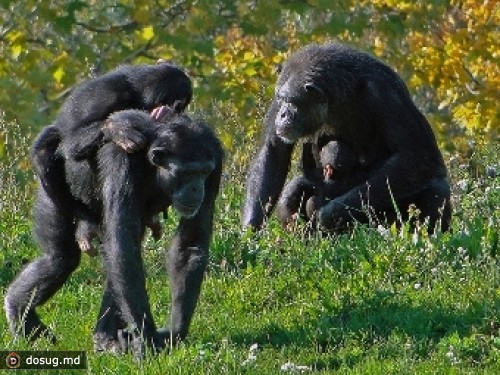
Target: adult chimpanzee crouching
pixel 333 90
pixel 179 165
pixel 70 143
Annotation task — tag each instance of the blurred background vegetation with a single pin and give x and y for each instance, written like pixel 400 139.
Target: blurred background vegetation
pixel 447 52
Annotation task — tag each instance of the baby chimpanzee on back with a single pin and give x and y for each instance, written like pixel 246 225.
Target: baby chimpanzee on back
pixel 303 197
pixel 65 150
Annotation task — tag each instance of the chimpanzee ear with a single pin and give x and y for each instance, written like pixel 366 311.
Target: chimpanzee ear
pixel 313 89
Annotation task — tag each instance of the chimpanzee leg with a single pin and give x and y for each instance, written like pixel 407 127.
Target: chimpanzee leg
pixel 313 205
pixel 49 166
pixel 123 179
pixel 42 278
pixel 434 203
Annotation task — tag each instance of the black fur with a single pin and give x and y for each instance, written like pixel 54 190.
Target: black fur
pixel 337 91
pixel 77 132
pixel 180 167
pixel 339 170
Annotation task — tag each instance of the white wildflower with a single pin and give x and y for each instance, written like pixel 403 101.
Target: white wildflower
pixel 252 355
pixel 462 185
pixel 384 232
pixel 452 356
pixel 414 238
pixel 292 367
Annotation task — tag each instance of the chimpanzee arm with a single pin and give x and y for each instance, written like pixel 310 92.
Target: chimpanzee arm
pixel 129 129
pixel 265 181
pixel 48 165
pixel 267 174
pixel 188 257
pixel 124 180
pixel 293 199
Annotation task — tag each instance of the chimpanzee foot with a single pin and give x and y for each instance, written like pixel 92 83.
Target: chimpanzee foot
pixel 128 342
pixel 28 325
pixel 35 332
pixel 162 339
pixel 86 232
pixel 86 246
pixel 134 343
pixel 104 343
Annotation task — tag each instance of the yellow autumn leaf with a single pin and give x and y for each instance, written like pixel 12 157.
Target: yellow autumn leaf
pixel 219 41
pixel 207 70
pixel 250 71
pixel 248 55
pixel 16 36
pixel 147 33
pixel 277 59
pixel 58 74
pixel 16 50
pixel 227 140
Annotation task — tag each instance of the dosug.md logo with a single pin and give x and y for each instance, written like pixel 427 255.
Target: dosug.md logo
pixel 13 360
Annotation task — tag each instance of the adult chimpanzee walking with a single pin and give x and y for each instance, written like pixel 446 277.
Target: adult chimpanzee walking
pixel 351 96
pixel 180 166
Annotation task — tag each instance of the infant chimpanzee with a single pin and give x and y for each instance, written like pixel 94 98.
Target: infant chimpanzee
pixel 303 197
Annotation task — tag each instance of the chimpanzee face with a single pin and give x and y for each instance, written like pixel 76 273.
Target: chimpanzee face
pixel 181 175
pixel 301 110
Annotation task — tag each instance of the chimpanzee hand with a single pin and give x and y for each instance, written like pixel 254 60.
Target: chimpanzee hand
pixel 131 135
pixel 333 215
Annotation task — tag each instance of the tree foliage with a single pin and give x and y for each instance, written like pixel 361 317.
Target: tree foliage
pixel 447 51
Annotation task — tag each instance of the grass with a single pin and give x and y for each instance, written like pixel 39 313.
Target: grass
pixel 378 300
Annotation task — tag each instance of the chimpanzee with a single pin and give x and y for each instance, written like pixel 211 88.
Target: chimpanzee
pixel 179 166
pixel 77 132
pixel 335 90
pixel 302 196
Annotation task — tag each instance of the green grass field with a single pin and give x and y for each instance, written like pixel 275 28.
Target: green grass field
pixel 378 300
